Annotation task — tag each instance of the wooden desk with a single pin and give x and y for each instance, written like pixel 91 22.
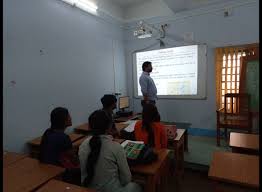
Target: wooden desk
pixel 185 134
pixel 35 143
pixel 132 117
pixel 244 143
pixel 57 186
pixel 154 172
pixel 179 146
pixel 185 140
pixel 77 143
pixel 235 168
pixel 27 174
pixel 84 128
pixel 120 126
pixel 10 157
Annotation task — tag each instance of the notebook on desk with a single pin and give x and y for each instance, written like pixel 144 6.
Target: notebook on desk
pixel 131 125
pixel 133 148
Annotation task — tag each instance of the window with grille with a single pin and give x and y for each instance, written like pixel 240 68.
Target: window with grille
pixel 228 69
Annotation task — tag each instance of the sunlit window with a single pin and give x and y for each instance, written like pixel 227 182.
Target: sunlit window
pixel 230 74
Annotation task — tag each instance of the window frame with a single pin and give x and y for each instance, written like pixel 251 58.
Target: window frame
pixel 225 57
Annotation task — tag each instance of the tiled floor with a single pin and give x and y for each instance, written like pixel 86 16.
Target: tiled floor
pixel 201 148
pixel 196 180
pixel 193 181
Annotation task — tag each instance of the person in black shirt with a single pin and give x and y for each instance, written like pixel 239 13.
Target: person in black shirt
pixel 56 146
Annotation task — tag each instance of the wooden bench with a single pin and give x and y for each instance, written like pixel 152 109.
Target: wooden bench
pixel 234 168
pixel 57 186
pixel 244 143
pixel 28 174
pixel 10 157
pixel 34 144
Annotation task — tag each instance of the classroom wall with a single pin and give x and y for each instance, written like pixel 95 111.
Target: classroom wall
pixel 55 55
pixel 208 26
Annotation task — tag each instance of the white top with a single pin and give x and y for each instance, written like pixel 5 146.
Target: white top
pixel 112 172
pixel 148 86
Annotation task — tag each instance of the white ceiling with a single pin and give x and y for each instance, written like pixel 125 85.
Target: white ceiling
pixel 130 10
pixel 127 3
pixel 181 5
pixel 177 4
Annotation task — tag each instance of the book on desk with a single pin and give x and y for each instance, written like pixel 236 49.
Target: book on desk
pixel 132 148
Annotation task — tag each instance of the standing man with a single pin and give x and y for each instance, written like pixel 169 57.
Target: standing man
pixel 148 87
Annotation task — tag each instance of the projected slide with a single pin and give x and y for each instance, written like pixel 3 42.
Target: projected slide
pixel 175 70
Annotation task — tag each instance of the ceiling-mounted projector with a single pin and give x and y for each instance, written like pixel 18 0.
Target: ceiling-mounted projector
pixel 145 30
pixel 143 33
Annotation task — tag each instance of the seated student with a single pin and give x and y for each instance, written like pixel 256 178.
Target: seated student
pixel 109 104
pixel 103 162
pixel 56 146
pixel 149 129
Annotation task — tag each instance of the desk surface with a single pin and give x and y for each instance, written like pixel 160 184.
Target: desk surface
pixel 73 137
pixel 79 142
pixel 132 117
pixel 82 127
pixel 120 126
pixel 27 174
pixel 243 140
pixel 56 186
pixel 152 168
pixel 85 128
pixel 235 168
pixel 10 157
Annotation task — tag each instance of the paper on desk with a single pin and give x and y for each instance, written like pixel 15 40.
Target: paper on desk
pixel 130 122
pixel 123 144
pixel 131 125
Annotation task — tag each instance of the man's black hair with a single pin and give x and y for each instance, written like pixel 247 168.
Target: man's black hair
pixel 108 100
pixel 145 65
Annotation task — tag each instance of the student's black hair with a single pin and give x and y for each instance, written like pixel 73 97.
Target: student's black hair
pixel 149 115
pixel 145 65
pixel 58 120
pixel 99 121
pixel 108 100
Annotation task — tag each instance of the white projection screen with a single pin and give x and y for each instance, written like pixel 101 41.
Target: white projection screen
pixel 178 72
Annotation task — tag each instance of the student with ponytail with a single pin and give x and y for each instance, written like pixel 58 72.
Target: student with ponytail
pixel 103 162
pixel 150 130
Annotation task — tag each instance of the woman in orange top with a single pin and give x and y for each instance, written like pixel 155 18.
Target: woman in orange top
pixel 150 130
